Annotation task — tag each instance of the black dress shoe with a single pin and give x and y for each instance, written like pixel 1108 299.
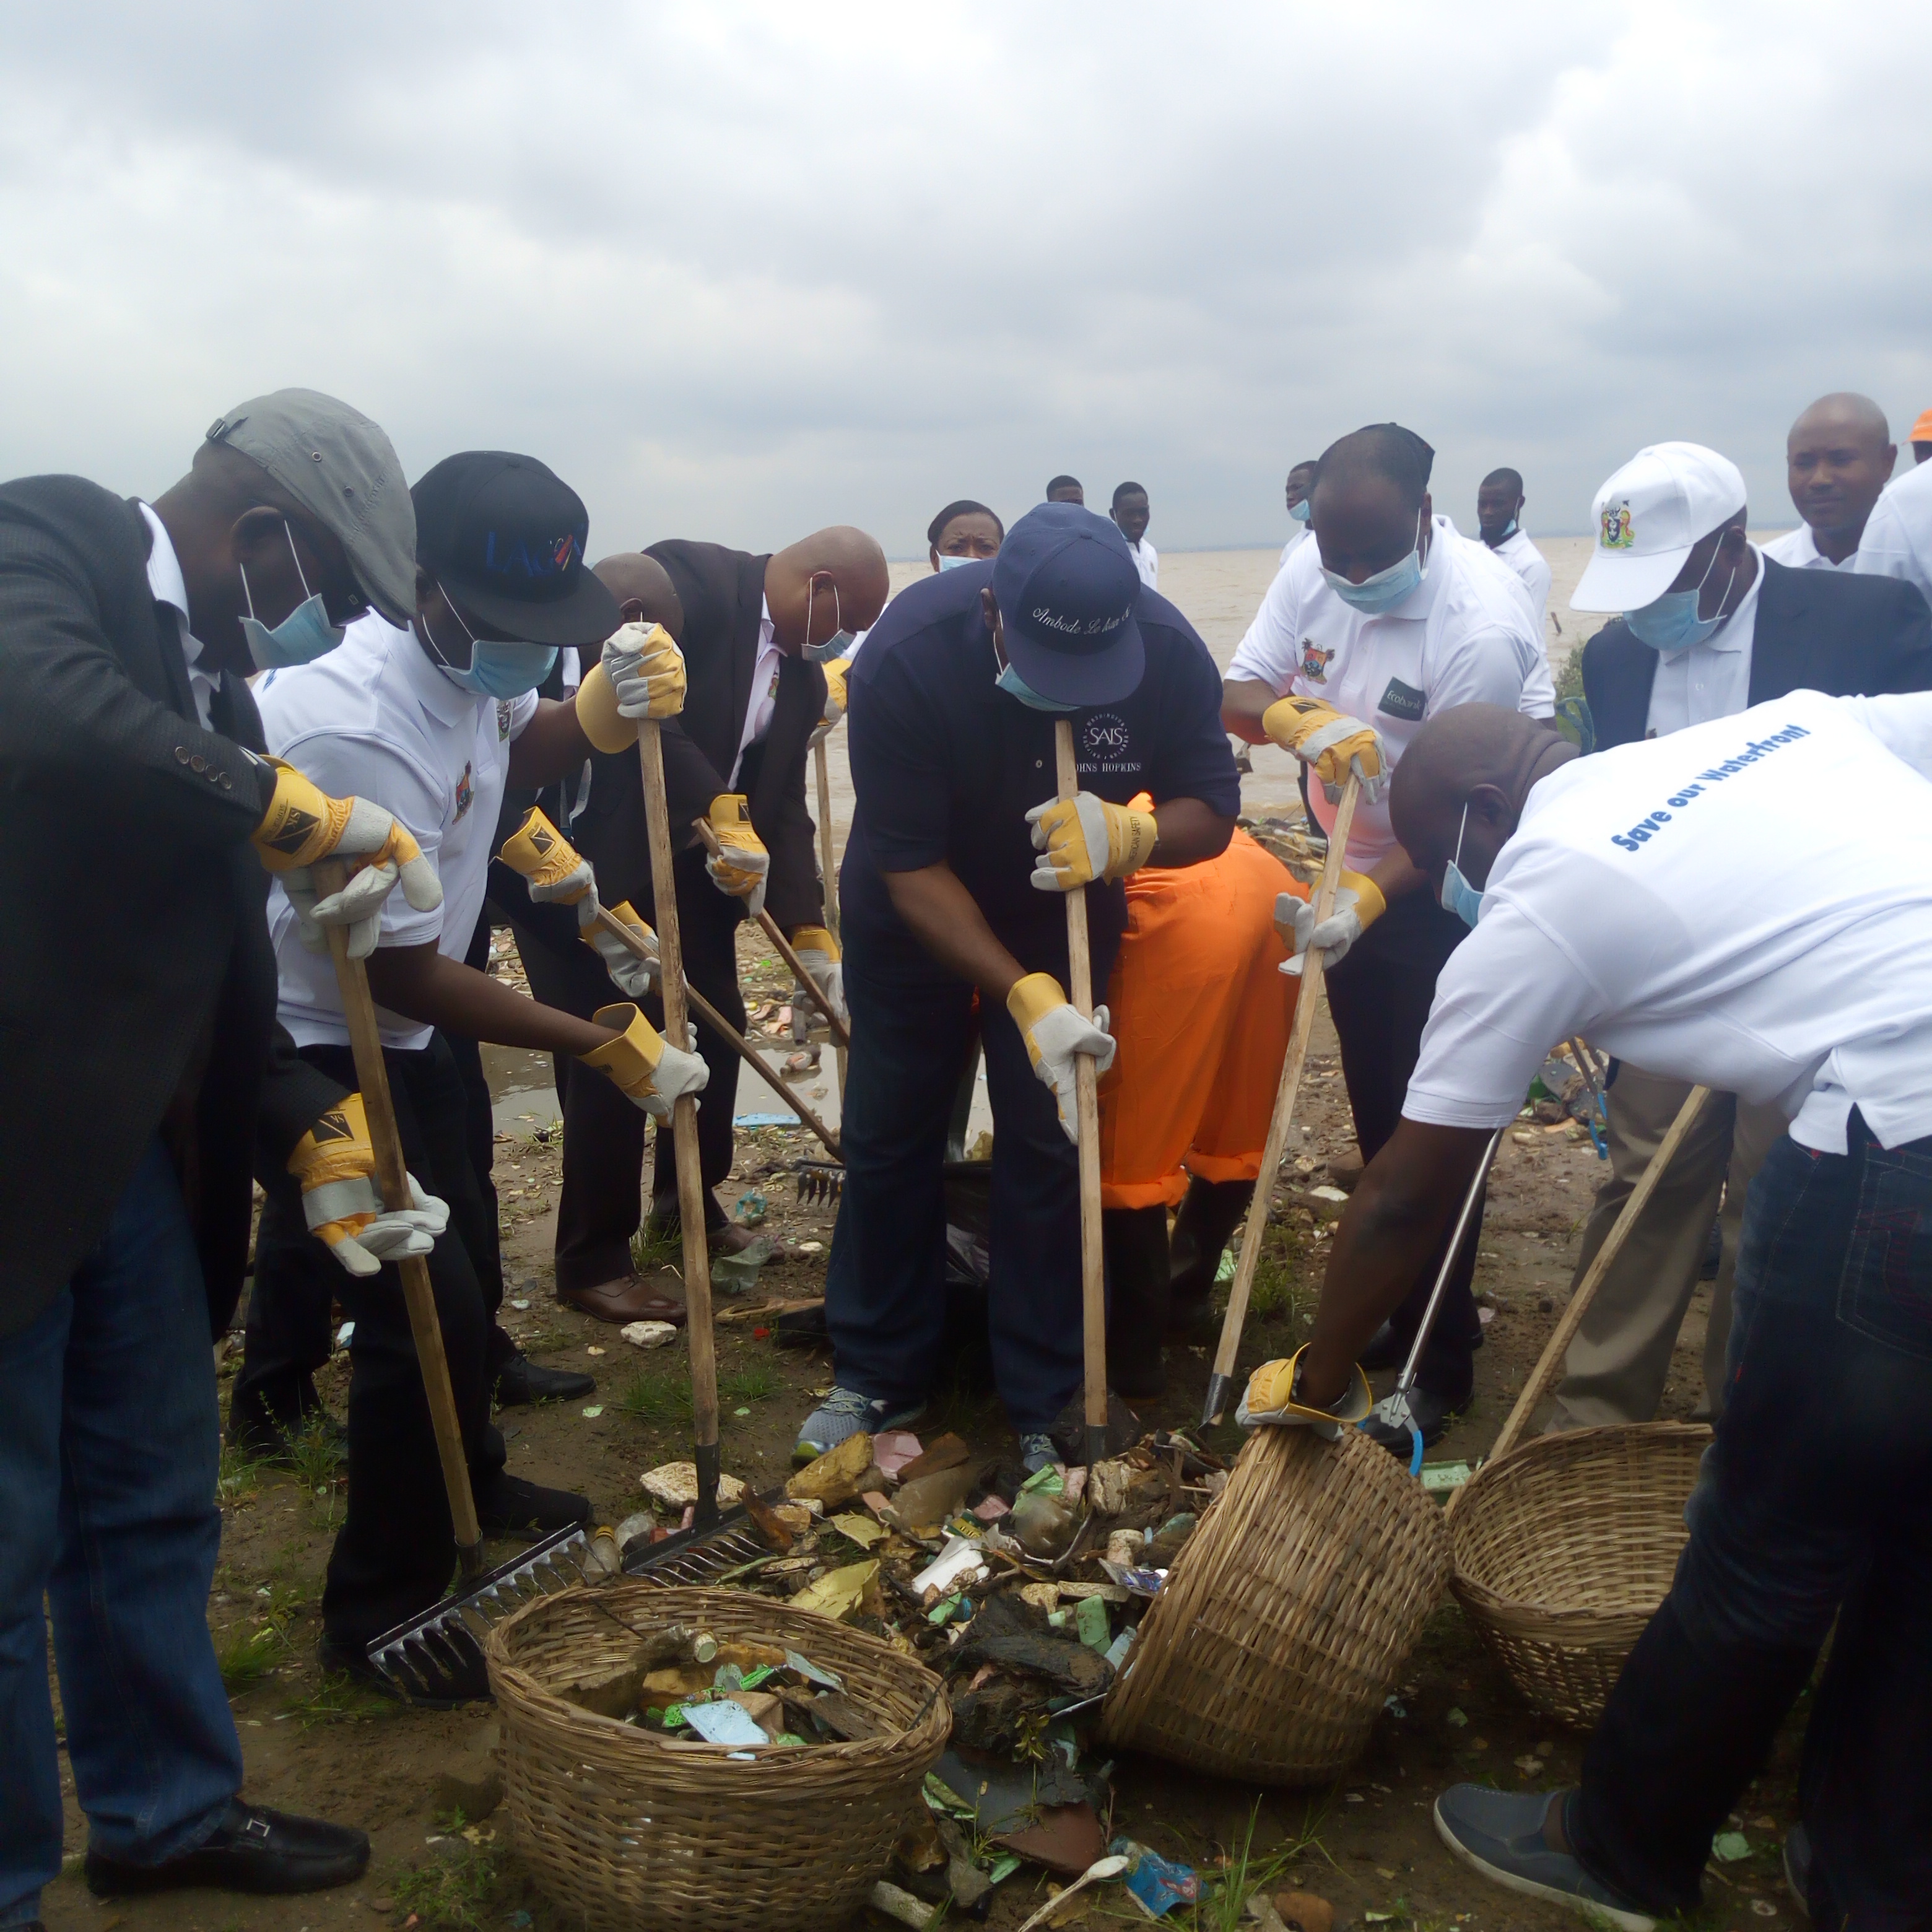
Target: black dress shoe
pixel 253 1850
pixel 520 1380
pixel 1432 1414
pixel 1386 1350
pixel 511 1507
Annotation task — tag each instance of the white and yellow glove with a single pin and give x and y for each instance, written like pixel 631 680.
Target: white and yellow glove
pixel 304 824
pixel 1332 741
pixel 336 1165
pixel 1358 904
pixel 640 675
pixel 556 872
pixel 740 870
pixel 1054 1034
pixel 1270 1398
pixel 642 1064
pixel 818 953
pixel 834 698
pixel 1084 838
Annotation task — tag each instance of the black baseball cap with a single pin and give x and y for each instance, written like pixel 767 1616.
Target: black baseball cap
pixel 1067 589
pixel 504 537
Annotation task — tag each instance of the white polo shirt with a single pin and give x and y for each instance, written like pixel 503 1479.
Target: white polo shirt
pixel 376 717
pixel 1798 550
pixel 1684 904
pixel 1147 561
pixel 1897 539
pixel 1302 534
pixel 1465 633
pixel 1710 680
pixel 1528 562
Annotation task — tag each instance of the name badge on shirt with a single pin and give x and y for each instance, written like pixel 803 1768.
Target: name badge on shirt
pixel 1402 700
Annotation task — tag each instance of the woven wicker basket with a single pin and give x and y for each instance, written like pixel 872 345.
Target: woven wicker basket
pixel 1288 1615
pixel 626 1831
pixel 1564 1549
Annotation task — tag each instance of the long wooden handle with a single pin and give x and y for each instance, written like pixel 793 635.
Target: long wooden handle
pixel 829 871
pixel 1086 1118
pixel 365 1043
pixel 1307 999
pixel 684 1131
pixel 783 946
pixel 1559 1344
pixel 723 1027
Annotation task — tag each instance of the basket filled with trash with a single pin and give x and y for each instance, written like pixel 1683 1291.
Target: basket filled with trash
pixel 704 1759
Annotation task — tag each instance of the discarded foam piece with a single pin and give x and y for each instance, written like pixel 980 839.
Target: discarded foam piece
pixel 648 1334
pixel 675 1485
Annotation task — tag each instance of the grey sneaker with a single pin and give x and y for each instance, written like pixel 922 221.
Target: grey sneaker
pixel 1037 1451
pixel 846 1413
pixel 1500 1834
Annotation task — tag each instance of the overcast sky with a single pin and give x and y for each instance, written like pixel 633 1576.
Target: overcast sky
pixel 738 271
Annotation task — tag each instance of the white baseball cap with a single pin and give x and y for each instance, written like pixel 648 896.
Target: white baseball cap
pixel 1648 518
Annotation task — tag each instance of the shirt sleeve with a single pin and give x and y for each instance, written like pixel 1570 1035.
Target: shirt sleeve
pixel 1491 666
pixel 1886 548
pixel 1193 760
pixel 1903 724
pixel 522 710
pixel 1269 651
pixel 1508 994
pixel 897 757
pixel 345 763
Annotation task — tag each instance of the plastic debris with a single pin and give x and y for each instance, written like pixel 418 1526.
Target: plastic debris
pixel 962 1556
pixel 1050 1481
pixel 736 1273
pixel 1456 1718
pixel 345 1334
pixel 839 1593
pixel 1116 1651
pixel 931 1499
pixel 1439 1477
pixel 1091 1619
pixel 1729 1846
pixel 520 1302
pixel 751 1210
pixel 1155 1884
pixel 892 1449
pixel 1098 1872
pixel 992 1509
pixel 596 1409
pixel 814 1673
pixel 1224 1270
pixel 648 1334
pixel 1041 1522
pixel 725 1722
pixel 765 1121
pixel 859 1529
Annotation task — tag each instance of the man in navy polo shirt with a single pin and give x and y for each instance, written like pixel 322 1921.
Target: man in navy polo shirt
pixel 952 880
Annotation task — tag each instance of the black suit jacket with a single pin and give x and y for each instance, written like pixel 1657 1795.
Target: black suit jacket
pixel 1816 630
pixel 137 985
pixel 722 591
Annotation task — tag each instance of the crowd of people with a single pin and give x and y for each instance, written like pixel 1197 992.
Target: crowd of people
pixel 292 661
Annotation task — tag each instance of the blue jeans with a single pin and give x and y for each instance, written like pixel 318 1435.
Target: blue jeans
pixel 109 1453
pixel 1815 1502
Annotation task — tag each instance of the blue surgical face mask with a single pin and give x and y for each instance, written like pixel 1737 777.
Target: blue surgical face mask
pixel 1507 531
pixel 1301 512
pixel 841 640
pixel 1458 896
pixel 304 635
pixel 1386 588
pixel 1670 622
pixel 495 670
pixel 1014 685
pixel 954 563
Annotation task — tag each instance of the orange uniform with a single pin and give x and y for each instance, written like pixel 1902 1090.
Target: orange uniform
pixel 1201 1013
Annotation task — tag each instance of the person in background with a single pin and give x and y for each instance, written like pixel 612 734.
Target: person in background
pixel 1897 538
pixel 1066 490
pixel 149 1088
pixel 1710 626
pixel 1837 458
pixel 964 532
pixel 1130 512
pixel 1499 501
pixel 1300 482
pixel 1921 436
pixel 1388 619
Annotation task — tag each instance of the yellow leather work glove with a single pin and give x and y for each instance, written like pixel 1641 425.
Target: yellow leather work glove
pixel 303 824
pixel 1358 904
pixel 818 953
pixel 556 872
pixel 1084 839
pixel 336 1165
pixel 1054 1034
pixel 635 977
pixel 643 1067
pixel 1331 741
pixel 740 871
pixel 836 673
pixel 1271 1397
pixel 640 675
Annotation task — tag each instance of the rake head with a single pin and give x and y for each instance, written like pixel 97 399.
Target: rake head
pixel 701 1555
pixel 437 1658
pixel 820 1180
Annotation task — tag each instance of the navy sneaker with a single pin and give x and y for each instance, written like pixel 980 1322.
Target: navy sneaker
pixel 1500 1834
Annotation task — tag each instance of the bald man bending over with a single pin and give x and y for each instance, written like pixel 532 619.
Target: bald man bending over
pixel 1838 456
pixel 752 629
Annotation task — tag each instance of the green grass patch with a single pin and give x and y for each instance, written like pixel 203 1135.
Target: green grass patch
pixel 253 1647
pixel 459 1893
pixel 751 1383
pixel 658 1397
pixel 242 1475
pixel 655 1248
pixel 339 1699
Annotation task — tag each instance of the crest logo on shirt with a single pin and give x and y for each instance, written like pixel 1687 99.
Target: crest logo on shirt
pixel 1618 531
pixel 465 791
pixel 1314 661
pixel 503 709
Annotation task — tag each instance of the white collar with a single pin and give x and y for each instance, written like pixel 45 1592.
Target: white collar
pixel 167 585
pixel 443 700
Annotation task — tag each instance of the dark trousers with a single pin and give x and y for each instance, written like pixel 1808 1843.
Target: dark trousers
pixel 1379 997
pixel 603 1132
pixel 885 1299
pixel 395 1551
pixel 1812 1504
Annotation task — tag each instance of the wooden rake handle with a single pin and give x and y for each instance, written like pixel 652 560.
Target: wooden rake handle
pixel 783 945
pixel 1306 1001
pixel 365 1043
pixel 1559 1344
pixel 1086 1118
pixel 703 1343
pixel 829 870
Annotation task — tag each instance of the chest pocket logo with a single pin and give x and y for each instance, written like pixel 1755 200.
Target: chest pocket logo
pixel 1106 744
pixel 465 792
pixel 1402 700
pixel 1314 661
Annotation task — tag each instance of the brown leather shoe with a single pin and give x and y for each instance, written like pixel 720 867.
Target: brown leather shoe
pixel 629 1298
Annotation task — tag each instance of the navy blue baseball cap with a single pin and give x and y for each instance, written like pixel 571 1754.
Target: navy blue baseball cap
pixel 1067 589
pixel 504 535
